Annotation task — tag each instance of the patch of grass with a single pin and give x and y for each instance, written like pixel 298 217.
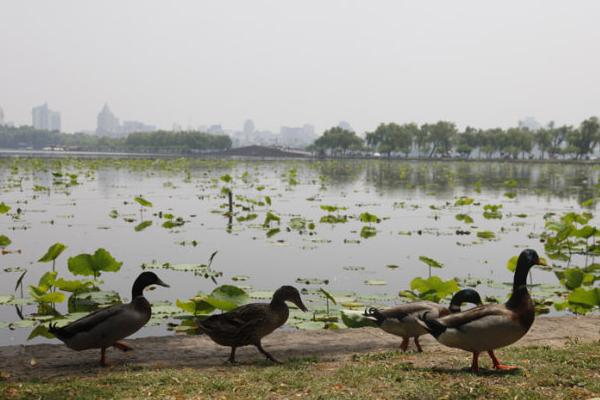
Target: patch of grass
pixel 547 373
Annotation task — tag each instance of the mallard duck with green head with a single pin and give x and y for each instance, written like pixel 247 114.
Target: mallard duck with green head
pixel 402 320
pixel 107 326
pixel 248 324
pixel 491 326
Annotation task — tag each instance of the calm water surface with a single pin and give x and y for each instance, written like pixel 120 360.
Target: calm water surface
pixel 413 199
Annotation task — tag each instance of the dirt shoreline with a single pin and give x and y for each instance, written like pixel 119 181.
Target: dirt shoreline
pixel 51 360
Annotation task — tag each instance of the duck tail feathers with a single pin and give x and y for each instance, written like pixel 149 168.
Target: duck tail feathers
pixel 57 332
pixel 431 325
pixel 199 328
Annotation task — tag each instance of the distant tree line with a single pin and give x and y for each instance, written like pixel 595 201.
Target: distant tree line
pixel 159 141
pixel 443 139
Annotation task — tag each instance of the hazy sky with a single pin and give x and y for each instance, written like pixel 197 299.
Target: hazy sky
pixel 483 63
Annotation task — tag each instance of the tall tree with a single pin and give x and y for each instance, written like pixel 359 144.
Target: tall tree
pixel 441 135
pixel 466 142
pixel 585 139
pixel 390 138
pixel 543 139
pixel 338 141
pixel 421 139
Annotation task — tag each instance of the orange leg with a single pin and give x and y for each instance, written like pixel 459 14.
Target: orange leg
pixel 404 344
pixel 497 363
pixel 419 348
pixel 475 364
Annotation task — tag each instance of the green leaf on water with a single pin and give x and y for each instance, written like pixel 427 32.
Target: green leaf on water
pixel 431 262
pixel 273 232
pixel 486 235
pixel 434 288
pixel 463 201
pixel 368 232
pixel 173 223
pixel 586 298
pixel 369 218
pixel 52 297
pixel 73 285
pixel 226 178
pixel 86 301
pixel 40 331
pixel 297 223
pixel 142 201
pixel 4 241
pixel 4 208
pixel 227 297
pixel 195 306
pixel 375 282
pixel 270 217
pixel 141 226
pixel 53 252
pixel 327 295
pixel 511 264
pixel 93 265
pixel 467 219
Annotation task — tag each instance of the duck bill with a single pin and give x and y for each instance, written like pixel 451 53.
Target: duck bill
pixel 542 261
pixel 161 283
pixel 300 305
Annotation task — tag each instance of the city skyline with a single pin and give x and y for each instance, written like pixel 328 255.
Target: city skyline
pixel 286 63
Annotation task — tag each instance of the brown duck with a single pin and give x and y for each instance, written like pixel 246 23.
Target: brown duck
pixel 106 327
pixel 248 324
pixel 402 320
pixel 489 327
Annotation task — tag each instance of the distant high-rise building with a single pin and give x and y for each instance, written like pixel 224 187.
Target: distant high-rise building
pixel 297 136
pixel 136 126
pixel 45 119
pixel 1 116
pixel 249 127
pixel 108 123
pixel 215 129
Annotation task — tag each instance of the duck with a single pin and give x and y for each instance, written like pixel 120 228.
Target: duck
pixel 107 326
pixel 248 324
pixel 491 326
pixel 402 320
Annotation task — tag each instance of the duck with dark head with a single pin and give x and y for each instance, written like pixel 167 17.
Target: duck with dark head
pixel 402 320
pixel 248 324
pixel 106 327
pixel 492 326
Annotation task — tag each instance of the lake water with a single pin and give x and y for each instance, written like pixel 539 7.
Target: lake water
pixel 414 201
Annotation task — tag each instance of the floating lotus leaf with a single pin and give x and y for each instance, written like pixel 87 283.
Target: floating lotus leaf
pixel 53 252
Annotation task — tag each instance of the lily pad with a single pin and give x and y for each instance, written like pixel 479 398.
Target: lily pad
pixel 227 297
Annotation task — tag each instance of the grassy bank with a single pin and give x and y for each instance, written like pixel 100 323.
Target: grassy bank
pixel 570 372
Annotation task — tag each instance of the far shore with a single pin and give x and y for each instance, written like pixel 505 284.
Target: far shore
pixel 264 153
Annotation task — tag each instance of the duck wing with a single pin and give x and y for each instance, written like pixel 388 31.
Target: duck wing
pixel 88 322
pixel 236 325
pixel 457 320
pixel 481 314
pixel 401 310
